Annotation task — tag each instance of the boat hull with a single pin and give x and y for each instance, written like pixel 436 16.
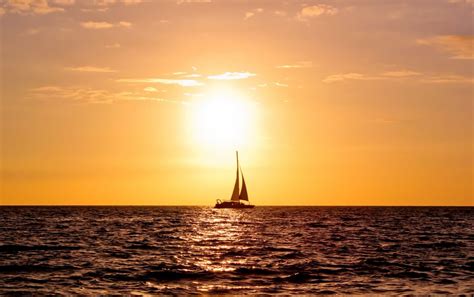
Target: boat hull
pixel 230 204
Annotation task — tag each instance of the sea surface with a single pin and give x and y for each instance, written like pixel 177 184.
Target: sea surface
pixel 266 250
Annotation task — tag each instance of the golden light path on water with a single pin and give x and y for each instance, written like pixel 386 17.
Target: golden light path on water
pixel 217 236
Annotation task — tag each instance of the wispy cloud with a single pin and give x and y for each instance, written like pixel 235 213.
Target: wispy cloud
pixel 72 94
pixel 33 31
pixel 113 45
pixel 248 15
pixel 461 1
pixel 64 2
pixel 95 9
pixel 231 75
pixel 280 13
pixel 130 2
pixel 193 1
pixel 104 5
pixel 112 2
pixel 348 76
pixel 150 89
pixel 124 24
pixel 448 79
pixel 166 81
pixel 104 25
pixel 90 95
pixel 252 13
pixel 458 46
pixel 32 6
pixel 90 69
pixel 316 11
pixel 185 74
pixel 302 64
pixel 192 75
pixel 401 75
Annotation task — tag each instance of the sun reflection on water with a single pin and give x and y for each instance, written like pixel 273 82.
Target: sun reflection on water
pixel 218 240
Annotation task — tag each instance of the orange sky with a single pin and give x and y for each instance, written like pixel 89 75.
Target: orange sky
pixel 328 102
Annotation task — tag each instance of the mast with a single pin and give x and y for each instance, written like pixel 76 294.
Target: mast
pixel 235 192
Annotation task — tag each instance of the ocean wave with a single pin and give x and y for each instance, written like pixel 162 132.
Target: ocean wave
pixel 13 268
pixel 196 250
pixel 14 248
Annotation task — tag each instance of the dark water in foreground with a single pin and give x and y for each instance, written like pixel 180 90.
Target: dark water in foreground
pixel 292 250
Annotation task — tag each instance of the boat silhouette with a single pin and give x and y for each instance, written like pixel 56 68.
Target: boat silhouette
pixel 237 198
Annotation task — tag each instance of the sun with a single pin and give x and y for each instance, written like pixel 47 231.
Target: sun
pixel 223 119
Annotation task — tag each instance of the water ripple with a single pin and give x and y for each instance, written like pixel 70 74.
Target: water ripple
pixel 269 250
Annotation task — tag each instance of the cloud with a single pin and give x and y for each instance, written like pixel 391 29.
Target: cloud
pixel 64 2
pixel 33 31
pixel 101 9
pixel 131 2
pixel 104 5
pixel 150 89
pixel 192 75
pixel 388 75
pixel 458 46
pixel 96 25
pixel 252 13
pixel 316 11
pixel 124 24
pixel 186 74
pixel 448 79
pixel 401 73
pixel 345 76
pixel 166 81
pixel 194 95
pixel 302 64
pixel 86 95
pixel 113 45
pixel 193 1
pixel 231 75
pixel 90 69
pixel 248 15
pixel 30 6
pixel 104 25
pixel 113 2
pixel 279 13
pixel 461 1
pixel 89 95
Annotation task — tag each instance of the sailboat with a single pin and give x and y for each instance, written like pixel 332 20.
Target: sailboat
pixel 236 198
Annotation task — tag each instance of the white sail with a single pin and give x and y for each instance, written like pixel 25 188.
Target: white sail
pixel 243 194
pixel 235 193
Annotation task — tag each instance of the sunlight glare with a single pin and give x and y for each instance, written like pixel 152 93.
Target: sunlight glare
pixel 224 119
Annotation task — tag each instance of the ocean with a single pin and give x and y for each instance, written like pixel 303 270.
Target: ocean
pixel 266 250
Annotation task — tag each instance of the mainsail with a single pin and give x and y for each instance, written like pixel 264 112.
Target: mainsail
pixel 235 199
pixel 235 193
pixel 243 193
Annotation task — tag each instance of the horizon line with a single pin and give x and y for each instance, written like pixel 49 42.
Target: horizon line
pixel 202 205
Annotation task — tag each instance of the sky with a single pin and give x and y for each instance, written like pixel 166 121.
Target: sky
pixel 342 102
